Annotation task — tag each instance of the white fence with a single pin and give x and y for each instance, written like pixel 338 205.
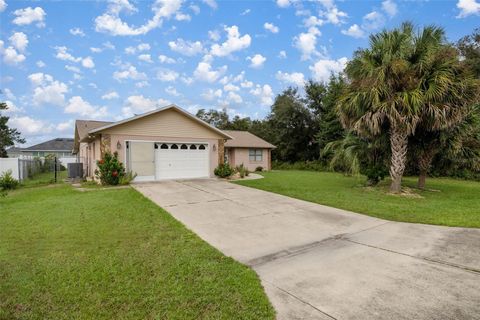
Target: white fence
pixel 24 167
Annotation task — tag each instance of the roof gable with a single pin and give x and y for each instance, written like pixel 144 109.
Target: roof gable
pixel 175 122
pixel 245 139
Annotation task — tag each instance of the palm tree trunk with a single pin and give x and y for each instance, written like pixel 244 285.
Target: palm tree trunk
pixel 398 145
pixel 424 162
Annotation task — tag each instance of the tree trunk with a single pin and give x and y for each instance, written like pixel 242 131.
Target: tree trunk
pixel 398 145
pixel 424 162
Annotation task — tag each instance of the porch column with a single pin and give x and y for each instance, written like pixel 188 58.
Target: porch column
pixel 221 151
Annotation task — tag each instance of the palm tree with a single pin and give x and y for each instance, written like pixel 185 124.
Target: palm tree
pixel 391 83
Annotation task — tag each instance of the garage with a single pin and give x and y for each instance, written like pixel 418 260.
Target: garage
pixel 181 160
pixel 167 160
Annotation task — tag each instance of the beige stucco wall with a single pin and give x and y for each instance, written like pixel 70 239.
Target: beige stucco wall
pixel 115 138
pixel 168 123
pixel 241 155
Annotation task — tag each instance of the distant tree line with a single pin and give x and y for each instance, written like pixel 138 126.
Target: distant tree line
pixel 408 104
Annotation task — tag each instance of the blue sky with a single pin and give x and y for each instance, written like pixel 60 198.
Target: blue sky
pixel 62 61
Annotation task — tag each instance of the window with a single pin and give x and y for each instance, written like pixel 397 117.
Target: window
pixel 255 155
pixel 174 146
pixel 184 147
pixel 164 146
pixel 202 147
pixel 193 147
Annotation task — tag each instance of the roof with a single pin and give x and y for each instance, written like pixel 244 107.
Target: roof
pixel 14 149
pixel 57 144
pixel 84 126
pixel 172 106
pixel 245 139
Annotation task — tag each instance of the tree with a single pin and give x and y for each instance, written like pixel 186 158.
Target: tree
pixel 216 118
pixel 469 47
pixel 293 128
pixel 391 83
pixel 8 136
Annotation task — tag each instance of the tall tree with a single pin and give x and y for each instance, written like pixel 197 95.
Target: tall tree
pixel 390 83
pixel 469 47
pixel 216 118
pixel 8 136
pixel 293 128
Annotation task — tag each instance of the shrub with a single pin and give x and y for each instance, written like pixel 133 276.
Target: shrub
pixel 224 170
pixel 7 181
pixel 127 178
pixel 259 169
pixel 109 169
pixel 300 165
pixel 241 170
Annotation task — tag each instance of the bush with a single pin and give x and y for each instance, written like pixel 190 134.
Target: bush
pixel 110 169
pixel 301 165
pixel 259 169
pixel 7 181
pixel 223 170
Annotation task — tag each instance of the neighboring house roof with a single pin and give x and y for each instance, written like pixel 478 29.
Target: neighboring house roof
pixel 58 144
pixel 172 106
pixel 14 150
pixel 245 139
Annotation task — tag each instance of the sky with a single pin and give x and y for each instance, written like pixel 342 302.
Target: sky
pixel 109 60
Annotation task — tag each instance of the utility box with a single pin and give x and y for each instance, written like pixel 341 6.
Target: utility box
pixel 75 170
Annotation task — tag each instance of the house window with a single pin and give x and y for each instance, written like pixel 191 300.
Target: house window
pixel 255 155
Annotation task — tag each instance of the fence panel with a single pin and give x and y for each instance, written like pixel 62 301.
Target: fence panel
pixel 10 164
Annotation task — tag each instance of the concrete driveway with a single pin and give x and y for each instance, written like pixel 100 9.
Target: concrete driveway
pixel 317 262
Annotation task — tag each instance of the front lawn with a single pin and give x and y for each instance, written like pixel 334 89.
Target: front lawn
pixel 447 202
pixel 113 254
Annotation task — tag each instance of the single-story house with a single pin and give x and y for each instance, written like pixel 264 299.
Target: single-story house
pixel 59 147
pixel 168 143
pixel 14 152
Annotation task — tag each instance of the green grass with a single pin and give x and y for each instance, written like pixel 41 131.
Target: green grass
pixel 44 178
pixel 113 254
pixel 447 202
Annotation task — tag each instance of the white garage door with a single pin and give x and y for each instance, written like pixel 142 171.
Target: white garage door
pixel 181 160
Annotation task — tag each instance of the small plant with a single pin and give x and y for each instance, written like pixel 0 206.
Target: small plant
pixel 3 193
pixel 247 172
pixel 127 178
pixel 7 181
pixel 109 169
pixel 223 170
pixel 259 169
pixel 242 171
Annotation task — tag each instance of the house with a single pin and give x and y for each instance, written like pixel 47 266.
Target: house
pixel 167 143
pixel 59 147
pixel 14 152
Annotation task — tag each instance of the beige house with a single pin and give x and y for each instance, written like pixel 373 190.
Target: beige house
pixel 168 143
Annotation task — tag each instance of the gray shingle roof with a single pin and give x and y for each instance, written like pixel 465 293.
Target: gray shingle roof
pixel 58 144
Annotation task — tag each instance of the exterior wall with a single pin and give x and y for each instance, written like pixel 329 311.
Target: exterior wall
pixel 241 155
pixel 115 138
pixel 169 123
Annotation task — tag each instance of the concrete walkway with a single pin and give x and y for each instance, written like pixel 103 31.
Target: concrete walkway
pixel 317 262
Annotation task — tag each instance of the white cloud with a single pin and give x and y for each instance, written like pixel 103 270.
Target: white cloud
pixel 390 7
pixel 29 126
pixel 211 3
pixel 167 75
pixel 182 17
pixel 76 105
pixel 3 5
pixel 110 95
pixel 282 54
pixel 66 126
pixel 264 93
pixel 324 68
pixel 47 90
pixel 195 8
pixel 373 20
pixel 283 3
pixel 257 61
pixel 234 42
pixel 111 23
pixel 245 12
pixel 142 84
pixel 19 40
pixel 73 69
pixel 234 97
pixel 172 91
pixel 129 72
pixel 164 59
pixel 211 94
pixel 271 27
pixel 354 31
pixel 105 45
pixel 88 63
pixel 331 13
pixel 13 108
pixel 313 21
pixel 204 72
pixel 231 87
pixel 296 78
pixel 187 48
pixel 468 7
pixel 141 47
pixel 9 94
pixel 10 55
pixel 140 104
pixel 214 35
pixel 77 32
pixel 145 58
pixel 246 84
pixel 306 42
pixel 40 64
pixel 28 15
